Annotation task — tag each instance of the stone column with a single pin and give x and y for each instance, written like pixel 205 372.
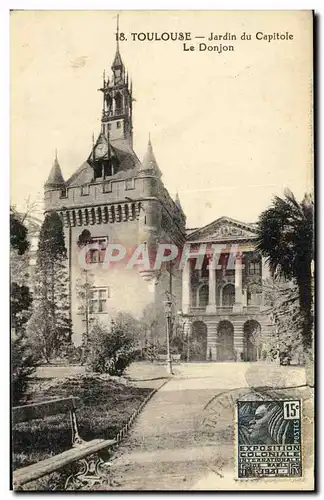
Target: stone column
pixel 187 331
pixel 211 307
pixel 186 289
pixel 211 341
pixel 238 306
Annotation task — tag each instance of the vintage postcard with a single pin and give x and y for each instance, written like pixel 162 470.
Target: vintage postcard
pixel 162 250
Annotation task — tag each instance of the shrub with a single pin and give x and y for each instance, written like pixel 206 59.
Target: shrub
pixel 22 366
pixel 112 349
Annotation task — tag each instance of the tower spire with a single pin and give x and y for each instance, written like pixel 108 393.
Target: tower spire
pixel 117 100
pixel 118 63
pixel 177 200
pixel 118 32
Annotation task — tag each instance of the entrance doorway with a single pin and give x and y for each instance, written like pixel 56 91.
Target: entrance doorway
pixel 225 341
pixel 198 344
pixel 252 346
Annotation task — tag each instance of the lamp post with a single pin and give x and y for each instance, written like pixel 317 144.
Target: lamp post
pixel 168 312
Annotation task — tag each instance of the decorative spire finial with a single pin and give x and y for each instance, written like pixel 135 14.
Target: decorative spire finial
pixel 93 147
pixel 117 31
pixel 55 154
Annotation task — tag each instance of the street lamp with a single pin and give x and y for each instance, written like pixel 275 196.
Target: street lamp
pixel 168 313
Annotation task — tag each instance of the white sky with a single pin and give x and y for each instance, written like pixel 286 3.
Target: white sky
pixel 228 130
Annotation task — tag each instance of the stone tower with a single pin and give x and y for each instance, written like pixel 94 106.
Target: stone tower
pixel 114 198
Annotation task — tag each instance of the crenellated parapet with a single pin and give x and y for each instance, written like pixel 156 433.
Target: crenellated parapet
pixel 104 214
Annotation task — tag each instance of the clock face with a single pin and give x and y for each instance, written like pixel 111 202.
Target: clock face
pixel 101 149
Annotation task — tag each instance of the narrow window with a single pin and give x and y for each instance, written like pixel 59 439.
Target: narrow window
pixel 85 190
pixel 107 187
pixel 129 184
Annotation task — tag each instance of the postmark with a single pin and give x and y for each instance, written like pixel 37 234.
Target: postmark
pixel 269 439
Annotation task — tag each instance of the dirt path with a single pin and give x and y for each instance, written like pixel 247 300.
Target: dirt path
pixel 183 439
pixel 169 448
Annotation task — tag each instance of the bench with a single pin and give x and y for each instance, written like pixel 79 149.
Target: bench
pixel 92 470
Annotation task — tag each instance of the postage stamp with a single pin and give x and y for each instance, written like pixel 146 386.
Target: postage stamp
pixel 269 439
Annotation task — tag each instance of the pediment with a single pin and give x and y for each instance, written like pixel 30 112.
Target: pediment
pixel 224 229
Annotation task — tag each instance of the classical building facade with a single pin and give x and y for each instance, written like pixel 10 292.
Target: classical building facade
pixel 114 198
pixel 223 300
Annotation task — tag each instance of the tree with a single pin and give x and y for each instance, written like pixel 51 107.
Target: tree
pixel 282 301
pixel 112 349
pixel 285 237
pixel 18 233
pixel 154 325
pixel 22 358
pixel 50 326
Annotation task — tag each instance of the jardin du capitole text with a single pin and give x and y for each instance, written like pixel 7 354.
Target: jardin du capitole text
pixel 192 42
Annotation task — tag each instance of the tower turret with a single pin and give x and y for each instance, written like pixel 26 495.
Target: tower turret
pixel 117 101
pixel 55 179
pixel 149 163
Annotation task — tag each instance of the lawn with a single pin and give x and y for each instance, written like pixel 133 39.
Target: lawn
pixel 105 407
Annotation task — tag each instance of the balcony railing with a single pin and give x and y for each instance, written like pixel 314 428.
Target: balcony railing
pixel 223 310
pixel 111 113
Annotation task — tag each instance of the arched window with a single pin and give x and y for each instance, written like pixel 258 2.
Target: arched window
pixel 252 341
pixel 108 101
pixel 118 103
pixel 228 295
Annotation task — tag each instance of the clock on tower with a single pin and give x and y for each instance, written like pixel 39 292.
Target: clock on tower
pixel 101 150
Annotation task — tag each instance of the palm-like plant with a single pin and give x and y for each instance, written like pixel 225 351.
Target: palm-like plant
pixel 286 238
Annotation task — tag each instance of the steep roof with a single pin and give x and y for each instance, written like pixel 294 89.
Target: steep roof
pixel 55 178
pixel 117 60
pixel 149 162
